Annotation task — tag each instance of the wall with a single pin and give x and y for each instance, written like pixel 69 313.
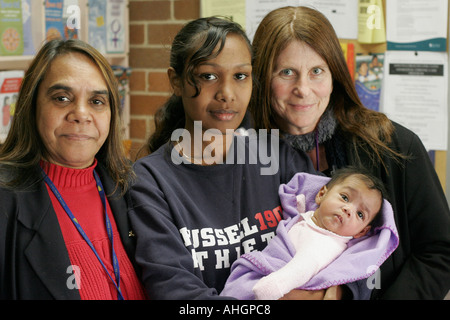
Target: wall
pixel 153 24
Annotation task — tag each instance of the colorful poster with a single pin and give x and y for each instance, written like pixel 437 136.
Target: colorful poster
pixel 368 79
pixel 123 77
pixel 10 82
pixel 54 27
pixel 11 28
pixel 29 47
pixel 349 54
pixel 71 19
pixel 417 25
pixel 56 16
pixel 371 27
pixel 115 26
pixel 97 24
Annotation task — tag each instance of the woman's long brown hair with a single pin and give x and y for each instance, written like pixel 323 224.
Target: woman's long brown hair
pixel 367 129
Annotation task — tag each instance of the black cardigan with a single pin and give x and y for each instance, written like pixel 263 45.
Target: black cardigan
pixel 33 257
pixel 420 267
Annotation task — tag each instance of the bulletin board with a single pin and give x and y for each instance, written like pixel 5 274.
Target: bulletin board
pixel 439 158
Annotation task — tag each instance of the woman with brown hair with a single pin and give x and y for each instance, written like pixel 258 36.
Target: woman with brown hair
pixel 64 232
pixel 306 91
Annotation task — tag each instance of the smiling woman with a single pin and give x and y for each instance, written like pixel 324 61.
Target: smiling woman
pixel 63 180
pixel 73 111
pixel 24 148
pixel 301 88
pixel 226 85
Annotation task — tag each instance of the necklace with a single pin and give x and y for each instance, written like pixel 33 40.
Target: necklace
pixel 191 159
pixel 323 132
pixel 202 160
pixel 115 262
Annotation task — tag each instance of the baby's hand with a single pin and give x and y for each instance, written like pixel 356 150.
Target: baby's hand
pixel 267 289
pixel 301 203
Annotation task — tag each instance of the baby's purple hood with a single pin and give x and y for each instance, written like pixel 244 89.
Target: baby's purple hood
pixel 360 260
pixel 362 257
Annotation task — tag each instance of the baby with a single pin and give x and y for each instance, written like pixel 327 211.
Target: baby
pixel 347 206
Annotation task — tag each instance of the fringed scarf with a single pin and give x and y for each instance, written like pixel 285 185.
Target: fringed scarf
pixel 327 133
pixel 323 132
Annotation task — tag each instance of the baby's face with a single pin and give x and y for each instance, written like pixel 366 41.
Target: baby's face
pixel 347 208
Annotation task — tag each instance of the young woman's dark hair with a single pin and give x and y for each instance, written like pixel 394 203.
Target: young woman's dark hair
pixel 193 45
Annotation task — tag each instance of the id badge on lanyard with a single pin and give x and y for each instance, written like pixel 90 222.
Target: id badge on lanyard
pixel 109 229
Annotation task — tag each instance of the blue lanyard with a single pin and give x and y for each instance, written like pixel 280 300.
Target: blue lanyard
pixel 84 235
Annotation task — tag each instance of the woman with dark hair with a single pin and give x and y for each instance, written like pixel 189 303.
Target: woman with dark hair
pixel 204 195
pixel 307 92
pixel 64 232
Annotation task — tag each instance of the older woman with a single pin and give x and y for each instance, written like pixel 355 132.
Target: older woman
pixel 306 91
pixel 64 232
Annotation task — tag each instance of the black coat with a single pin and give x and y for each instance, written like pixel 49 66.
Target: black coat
pixel 420 267
pixel 33 257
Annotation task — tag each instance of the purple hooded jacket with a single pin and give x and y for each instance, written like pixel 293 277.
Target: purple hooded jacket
pixel 360 260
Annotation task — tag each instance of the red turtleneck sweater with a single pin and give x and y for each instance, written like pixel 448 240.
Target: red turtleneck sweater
pixel 79 190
